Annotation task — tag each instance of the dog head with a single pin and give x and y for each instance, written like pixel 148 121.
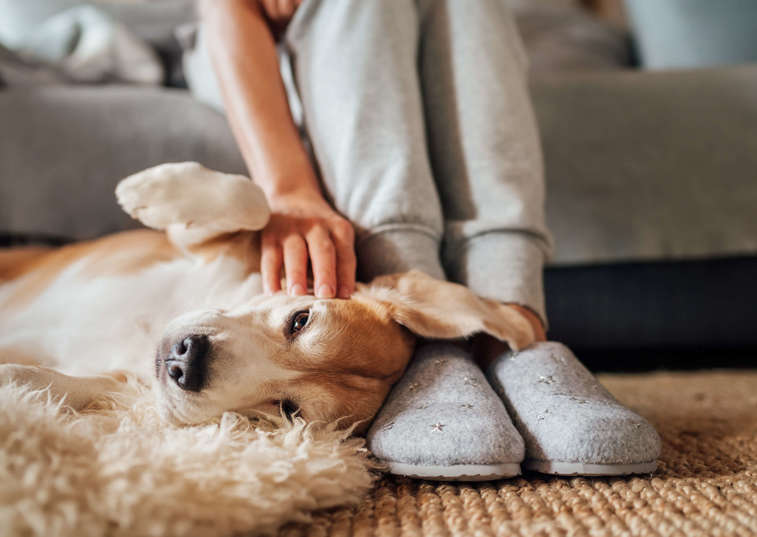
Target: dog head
pixel 322 359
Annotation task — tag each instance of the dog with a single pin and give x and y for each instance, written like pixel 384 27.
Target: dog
pixel 181 306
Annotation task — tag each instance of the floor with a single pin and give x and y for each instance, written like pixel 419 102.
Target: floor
pixel 706 483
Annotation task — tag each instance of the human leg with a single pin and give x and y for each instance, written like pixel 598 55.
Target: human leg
pixel 356 79
pixel 356 73
pixel 484 149
pixel 486 159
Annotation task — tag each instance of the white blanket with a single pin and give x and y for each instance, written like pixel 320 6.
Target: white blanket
pixel 84 44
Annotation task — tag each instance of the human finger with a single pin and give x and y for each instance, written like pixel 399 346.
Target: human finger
pixel 323 261
pixel 295 263
pixel 346 262
pixel 270 265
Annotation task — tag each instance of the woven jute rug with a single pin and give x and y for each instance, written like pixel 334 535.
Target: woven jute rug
pixel 706 484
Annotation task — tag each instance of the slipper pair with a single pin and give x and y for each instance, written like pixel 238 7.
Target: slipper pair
pixel 539 408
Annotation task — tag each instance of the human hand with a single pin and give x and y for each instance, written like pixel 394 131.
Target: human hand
pixel 279 12
pixel 304 227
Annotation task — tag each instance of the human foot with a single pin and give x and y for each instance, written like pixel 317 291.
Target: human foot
pixel 443 421
pixel 571 424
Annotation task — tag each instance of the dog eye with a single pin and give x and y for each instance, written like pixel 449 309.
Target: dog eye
pixel 299 321
pixel 289 408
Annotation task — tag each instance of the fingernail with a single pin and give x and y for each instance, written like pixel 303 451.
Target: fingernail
pixel 297 290
pixel 325 291
pixel 345 292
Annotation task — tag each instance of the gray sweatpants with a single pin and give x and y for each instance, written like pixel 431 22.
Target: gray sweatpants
pixel 418 115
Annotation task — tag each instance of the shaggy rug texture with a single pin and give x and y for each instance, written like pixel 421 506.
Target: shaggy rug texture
pixel 118 470
pixel 706 485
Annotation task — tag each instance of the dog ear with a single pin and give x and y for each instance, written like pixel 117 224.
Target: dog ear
pixel 437 309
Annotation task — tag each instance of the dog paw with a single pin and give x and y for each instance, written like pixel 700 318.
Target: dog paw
pixel 188 195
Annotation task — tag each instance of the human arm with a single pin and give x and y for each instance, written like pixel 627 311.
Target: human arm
pixel 303 225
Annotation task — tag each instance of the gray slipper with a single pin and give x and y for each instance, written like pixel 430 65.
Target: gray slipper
pixel 443 421
pixel 570 422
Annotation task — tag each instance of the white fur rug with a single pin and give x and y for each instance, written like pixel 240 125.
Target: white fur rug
pixel 118 470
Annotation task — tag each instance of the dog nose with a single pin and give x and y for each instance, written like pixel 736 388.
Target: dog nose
pixel 187 364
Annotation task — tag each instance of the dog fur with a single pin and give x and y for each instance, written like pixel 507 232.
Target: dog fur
pixel 77 317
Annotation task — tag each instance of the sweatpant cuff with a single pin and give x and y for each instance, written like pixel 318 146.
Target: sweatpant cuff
pixel 398 249
pixel 503 266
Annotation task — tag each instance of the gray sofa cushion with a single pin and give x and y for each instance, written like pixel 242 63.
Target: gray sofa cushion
pixel 640 166
pixel 647 166
pixel 560 37
pixel 64 149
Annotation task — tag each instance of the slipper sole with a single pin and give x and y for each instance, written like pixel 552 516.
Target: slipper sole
pixel 577 468
pixel 456 472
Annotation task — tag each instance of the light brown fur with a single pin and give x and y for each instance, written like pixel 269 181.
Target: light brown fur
pixel 120 253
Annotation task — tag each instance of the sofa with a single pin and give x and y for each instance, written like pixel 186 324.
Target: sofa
pixel 651 180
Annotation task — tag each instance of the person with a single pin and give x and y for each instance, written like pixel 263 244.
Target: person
pixel 397 135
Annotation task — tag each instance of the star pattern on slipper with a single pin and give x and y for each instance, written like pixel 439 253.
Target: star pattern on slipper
pixel 572 417
pixel 445 415
pixel 557 358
